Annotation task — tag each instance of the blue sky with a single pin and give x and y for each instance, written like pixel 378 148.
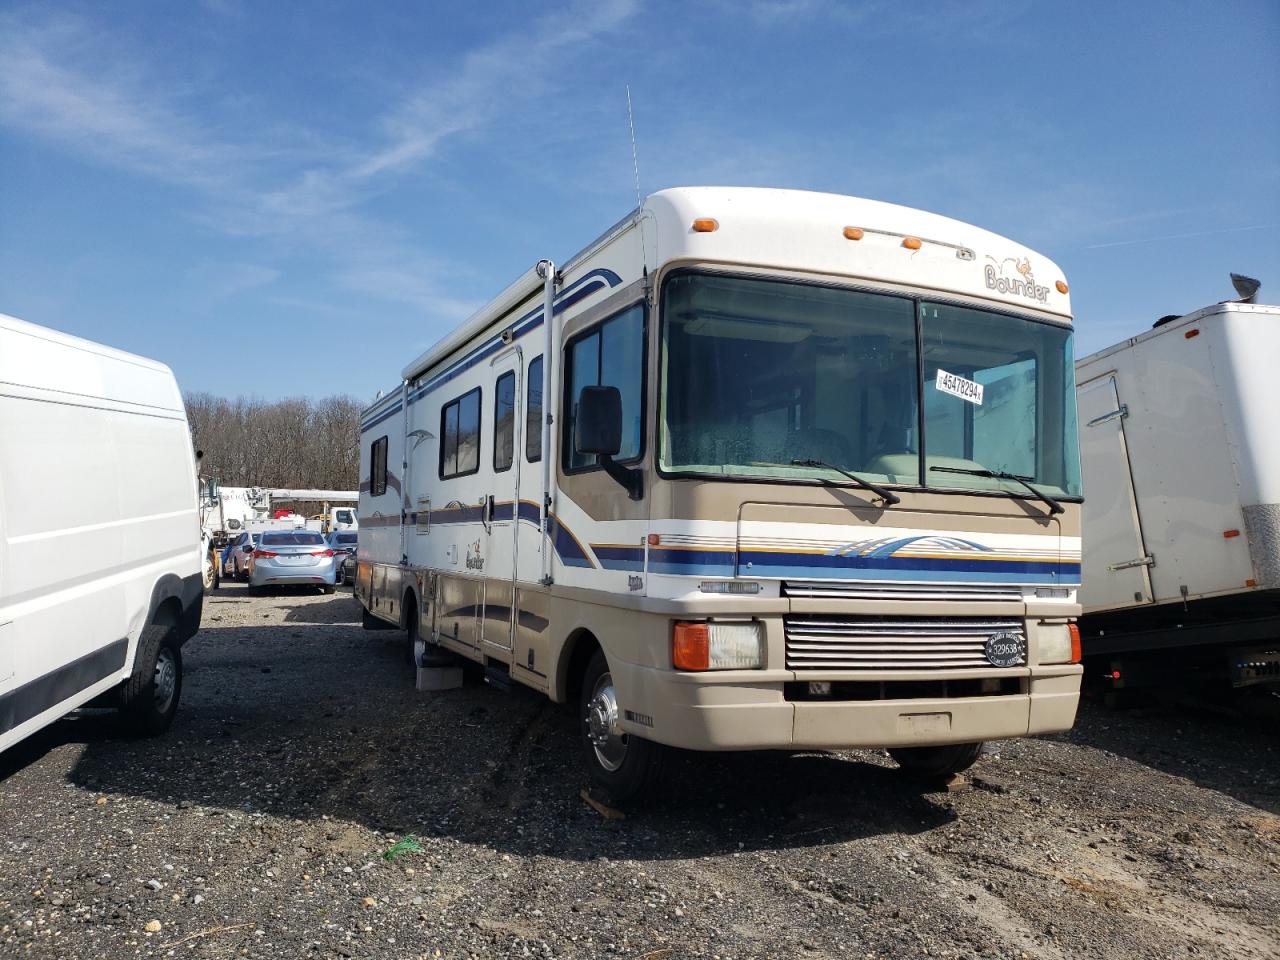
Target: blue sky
pixel 297 198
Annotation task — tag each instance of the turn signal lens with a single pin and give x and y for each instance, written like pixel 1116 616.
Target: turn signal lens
pixel 911 243
pixel 1074 630
pixel 853 233
pixel 705 225
pixel 690 649
pixel 262 554
pixel 1062 286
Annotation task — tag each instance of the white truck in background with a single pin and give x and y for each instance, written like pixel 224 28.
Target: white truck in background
pixel 100 538
pixel 1181 457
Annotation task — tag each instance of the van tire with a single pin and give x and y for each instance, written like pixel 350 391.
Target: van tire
pixel 941 761
pixel 149 698
pixel 624 767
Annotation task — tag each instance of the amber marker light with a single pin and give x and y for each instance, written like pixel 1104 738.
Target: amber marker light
pixel 691 646
pixel 853 233
pixel 654 539
pixel 1062 286
pixel 706 225
pixel 1074 630
pixel 1230 533
pixel 1191 333
pixel 911 243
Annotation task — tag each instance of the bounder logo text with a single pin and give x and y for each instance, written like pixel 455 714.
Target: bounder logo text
pixel 1017 280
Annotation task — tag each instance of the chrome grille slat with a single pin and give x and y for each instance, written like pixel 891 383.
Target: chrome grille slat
pixel 826 642
pixel 956 592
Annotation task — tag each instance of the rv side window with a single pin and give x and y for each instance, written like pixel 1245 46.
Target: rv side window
pixel 504 422
pixel 378 467
pixel 533 413
pixel 460 436
pixel 612 355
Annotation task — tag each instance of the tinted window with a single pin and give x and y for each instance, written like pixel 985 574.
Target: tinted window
pixel 460 432
pixel 292 539
pixel 504 422
pixel 378 467
pixel 533 413
pixel 347 538
pixel 611 354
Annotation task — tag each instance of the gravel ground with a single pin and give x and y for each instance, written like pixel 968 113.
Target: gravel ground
pixel 262 825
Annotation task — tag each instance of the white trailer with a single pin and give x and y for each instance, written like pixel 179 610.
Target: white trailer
pixel 758 469
pixel 1181 460
pixel 100 539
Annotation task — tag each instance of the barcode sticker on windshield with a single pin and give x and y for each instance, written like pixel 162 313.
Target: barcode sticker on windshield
pixel 959 387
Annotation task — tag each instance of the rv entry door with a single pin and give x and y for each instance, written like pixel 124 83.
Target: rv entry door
pixel 503 500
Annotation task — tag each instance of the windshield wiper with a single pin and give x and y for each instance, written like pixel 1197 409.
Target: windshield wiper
pixel 1054 505
pixel 889 497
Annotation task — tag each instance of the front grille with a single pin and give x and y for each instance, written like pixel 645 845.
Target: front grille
pixel 833 642
pixel 981 592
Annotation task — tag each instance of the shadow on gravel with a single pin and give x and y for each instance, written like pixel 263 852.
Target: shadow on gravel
pixel 1232 755
pixel 342 608
pixel 302 724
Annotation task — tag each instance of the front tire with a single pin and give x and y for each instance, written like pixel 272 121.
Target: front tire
pixel 149 698
pixel 622 766
pixel 942 761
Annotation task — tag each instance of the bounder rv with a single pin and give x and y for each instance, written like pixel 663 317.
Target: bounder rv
pixel 784 470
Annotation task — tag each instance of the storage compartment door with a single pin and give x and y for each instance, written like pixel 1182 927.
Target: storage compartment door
pixel 1116 563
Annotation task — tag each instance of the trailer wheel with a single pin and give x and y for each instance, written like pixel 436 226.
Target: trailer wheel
pixel 939 761
pixel 623 766
pixel 149 698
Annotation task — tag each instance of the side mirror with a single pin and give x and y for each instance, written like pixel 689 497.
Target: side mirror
pixel 247 548
pixel 598 430
pixel 599 425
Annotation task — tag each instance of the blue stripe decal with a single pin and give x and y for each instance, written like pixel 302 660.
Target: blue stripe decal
pixel 392 411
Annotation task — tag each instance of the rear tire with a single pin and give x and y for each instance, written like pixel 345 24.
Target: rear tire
pixel 149 698
pixel 328 588
pixel 942 761
pixel 623 767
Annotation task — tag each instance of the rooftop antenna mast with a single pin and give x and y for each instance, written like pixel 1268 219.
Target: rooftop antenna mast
pixel 635 166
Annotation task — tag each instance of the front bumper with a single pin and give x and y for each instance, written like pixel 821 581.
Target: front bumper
pixel 748 710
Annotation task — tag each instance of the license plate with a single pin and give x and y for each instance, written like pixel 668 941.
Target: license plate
pixel 924 724
pixel 296 561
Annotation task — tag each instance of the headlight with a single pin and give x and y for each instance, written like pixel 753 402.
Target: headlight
pixel 1059 643
pixel 718 645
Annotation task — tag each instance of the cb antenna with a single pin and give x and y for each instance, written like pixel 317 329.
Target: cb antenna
pixel 635 166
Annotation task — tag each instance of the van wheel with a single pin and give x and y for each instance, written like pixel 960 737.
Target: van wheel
pixel 149 698
pixel 622 766
pixel 937 761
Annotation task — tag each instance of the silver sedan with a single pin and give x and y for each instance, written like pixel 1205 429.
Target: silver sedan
pixel 292 558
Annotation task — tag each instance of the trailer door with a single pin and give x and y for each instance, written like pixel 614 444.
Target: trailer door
pixel 502 505
pixel 1116 563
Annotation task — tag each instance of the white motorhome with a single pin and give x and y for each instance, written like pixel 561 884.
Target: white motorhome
pixel 100 556
pixel 1181 459
pixel 786 470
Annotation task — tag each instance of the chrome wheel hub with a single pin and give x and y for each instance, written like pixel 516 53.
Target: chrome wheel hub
pixel 607 738
pixel 166 679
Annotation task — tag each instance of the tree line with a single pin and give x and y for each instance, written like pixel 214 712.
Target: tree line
pixel 296 442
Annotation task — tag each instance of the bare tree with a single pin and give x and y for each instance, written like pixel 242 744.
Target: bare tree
pixel 295 442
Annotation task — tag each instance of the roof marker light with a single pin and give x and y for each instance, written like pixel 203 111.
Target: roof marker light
pixel 853 233
pixel 1230 533
pixel 706 225
pixel 911 243
pixel 1191 333
pixel 1062 286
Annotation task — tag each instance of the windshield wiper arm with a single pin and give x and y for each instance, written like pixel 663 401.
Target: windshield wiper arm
pixel 889 497
pixel 1054 505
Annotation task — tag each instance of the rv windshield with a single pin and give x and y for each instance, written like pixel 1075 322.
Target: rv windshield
pixel 758 374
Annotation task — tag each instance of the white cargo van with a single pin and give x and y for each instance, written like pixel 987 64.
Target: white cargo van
pixel 100 560
pixel 1182 520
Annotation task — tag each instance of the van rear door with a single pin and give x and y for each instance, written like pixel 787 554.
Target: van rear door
pixel 1117 566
